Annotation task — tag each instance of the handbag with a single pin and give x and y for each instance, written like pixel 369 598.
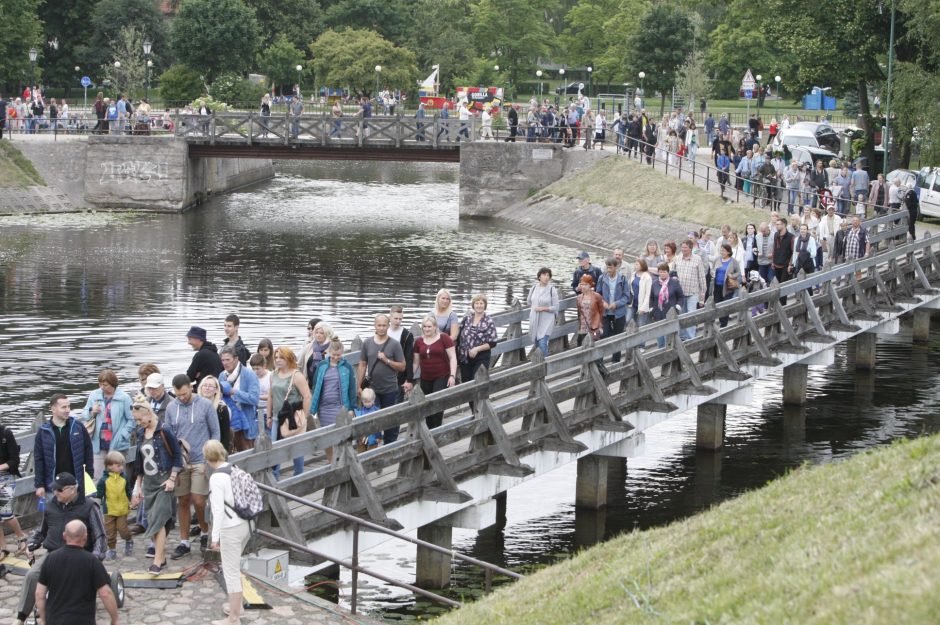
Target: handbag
pixel 291 418
pixel 732 283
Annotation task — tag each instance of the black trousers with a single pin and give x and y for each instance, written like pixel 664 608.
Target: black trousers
pixel 613 326
pixel 432 386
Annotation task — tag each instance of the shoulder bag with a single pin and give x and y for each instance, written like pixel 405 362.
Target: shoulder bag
pixel 367 378
pixel 291 418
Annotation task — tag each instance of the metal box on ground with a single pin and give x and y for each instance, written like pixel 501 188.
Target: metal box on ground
pixel 267 563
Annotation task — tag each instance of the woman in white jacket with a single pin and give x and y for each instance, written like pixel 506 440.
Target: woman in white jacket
pixel 229 531
pixel 640 283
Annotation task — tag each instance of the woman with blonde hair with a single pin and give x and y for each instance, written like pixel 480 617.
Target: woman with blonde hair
pixel 287 384
pixel 314 351
pixel 444 314
pixel 436 357
pixel 334 387
pixel 212 390
pixel 230 532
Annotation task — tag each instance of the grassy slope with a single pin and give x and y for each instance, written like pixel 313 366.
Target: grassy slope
pixel 15 169
pixel 622 182
pixel 853 543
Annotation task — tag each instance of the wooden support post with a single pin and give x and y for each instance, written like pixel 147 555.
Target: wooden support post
pixel 922 325
pixel 865 351
pixel 433 567
pixel 710 427
pixel 514 331
pixel 591 489
pixel 794 384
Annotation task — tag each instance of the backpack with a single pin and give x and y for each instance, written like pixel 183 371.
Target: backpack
pixel 12 450
pixel 245 492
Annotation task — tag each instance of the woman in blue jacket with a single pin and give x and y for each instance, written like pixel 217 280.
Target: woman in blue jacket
pixel 334 387
pixel 110 407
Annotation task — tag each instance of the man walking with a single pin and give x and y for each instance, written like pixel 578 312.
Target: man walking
pixel 407 341
pixel 231 328
pixel 206 359
pixel 193 420
pixel 64 506
pixel 62 445
pixel 856 241
pixel 782 254
pixel 240 392
pixel 72 578
pixel 381 360
pixel 584 268
pixel 690 271
pixel 513 117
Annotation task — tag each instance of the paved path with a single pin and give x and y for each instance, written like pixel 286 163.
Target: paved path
pixel 199 600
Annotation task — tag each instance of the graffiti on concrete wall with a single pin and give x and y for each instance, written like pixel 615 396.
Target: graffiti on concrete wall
pixel 141 172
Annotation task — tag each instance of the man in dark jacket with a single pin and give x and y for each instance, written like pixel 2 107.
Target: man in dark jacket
pixel 206 360
pixel 584 268
pixel 231 327
pixel 62 445
pixel 65 505
pixel 513 122
pixel 782 254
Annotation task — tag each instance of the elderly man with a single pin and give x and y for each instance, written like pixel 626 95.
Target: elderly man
pixel 72 578
pixel 690 271
pixel 64 506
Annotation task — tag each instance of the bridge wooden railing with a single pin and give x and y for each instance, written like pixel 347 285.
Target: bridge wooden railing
pixel 250 128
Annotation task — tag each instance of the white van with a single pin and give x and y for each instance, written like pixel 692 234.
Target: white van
pixel 928 183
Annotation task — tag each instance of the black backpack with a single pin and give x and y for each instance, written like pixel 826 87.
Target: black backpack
pixel 8 440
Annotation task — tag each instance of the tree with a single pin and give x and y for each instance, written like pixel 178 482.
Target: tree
pixel 513 32
pixel 618 31
pixel 394 20
pixel 279 61
pixel 19 29
pixel 915 104
pixel 300 21
pixel 583 40
pixel 692 80
pixel 442 37
pixel 131 72
pixel 660 46
pixel 111 17
pixel 348 58
pixel 180 85
pixel 65 22
pixel 216 36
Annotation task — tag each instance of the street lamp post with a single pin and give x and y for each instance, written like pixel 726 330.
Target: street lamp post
pixel 564 90
pixel 538 74
pixel 758 77
pixel 777 113
pixel 886 140
pixel 33 53
pixel 300 69
pixel 148 46
pixel 378 70
pixel 642 93
pixel 590 81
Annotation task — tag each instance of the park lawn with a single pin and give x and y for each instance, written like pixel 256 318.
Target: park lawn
pixel 624 182
pixel 16 171
pixel 851 543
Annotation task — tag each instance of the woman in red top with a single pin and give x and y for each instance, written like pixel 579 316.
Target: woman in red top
pixel 590 310
pixel 773 130
pixel 436 358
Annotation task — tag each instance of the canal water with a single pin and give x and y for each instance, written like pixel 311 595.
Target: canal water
pixel 343 241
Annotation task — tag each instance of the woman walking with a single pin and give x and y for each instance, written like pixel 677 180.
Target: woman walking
pixel 590 310
pixel 287 383
pixel 436 357
pixel 641 284
pixel 444 314
pixel 727 277
pixel 107 415
pixel 477 338
pixel 334 388
pixel 230 532
pixel 665 294
pixel 157 463
pixel 543 307
pixel 211 390
pixel 320 333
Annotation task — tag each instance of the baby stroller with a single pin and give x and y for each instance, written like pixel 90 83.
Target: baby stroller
pixel 825 199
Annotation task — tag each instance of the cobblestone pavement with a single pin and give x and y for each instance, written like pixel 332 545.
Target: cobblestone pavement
pixel 197 601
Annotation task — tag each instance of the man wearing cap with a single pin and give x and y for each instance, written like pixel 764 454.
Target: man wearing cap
pixel 64 506
pixel 206 359
pixel 584 268
pixel 193 420
pixel 62 445
pixel 157 394
pixel 72 578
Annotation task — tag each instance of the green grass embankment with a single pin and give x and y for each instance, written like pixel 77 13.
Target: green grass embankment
pixel 625 183
pixel 846 544
pixel 15 169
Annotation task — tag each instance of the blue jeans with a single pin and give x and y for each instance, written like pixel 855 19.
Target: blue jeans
pixel 689 303
pixel 298 461
pixel 385 400
pixel 794 198
pixel 542 344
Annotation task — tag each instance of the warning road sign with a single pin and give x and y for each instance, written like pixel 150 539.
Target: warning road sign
pixel 748 82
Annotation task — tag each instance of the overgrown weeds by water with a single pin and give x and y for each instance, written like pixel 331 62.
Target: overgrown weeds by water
pixel 841 544
pixel 15 169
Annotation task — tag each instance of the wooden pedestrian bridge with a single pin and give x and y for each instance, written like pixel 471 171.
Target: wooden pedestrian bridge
pixel 532 415
pixel 308 136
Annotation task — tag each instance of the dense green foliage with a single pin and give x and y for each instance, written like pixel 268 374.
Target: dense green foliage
pixel 699 46
pixel 235 90
pixel 180 84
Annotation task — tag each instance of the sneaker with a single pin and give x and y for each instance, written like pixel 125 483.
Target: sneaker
pixel 111 555
pixel 129 548
pixel 156 569
pixel 203 542
pixel 194 531
pixel 180 551
pixel 151 551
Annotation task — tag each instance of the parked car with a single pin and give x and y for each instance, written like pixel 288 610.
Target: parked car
pixel 908 178
pixel 813 134
pixel 807 155
pixel 928 185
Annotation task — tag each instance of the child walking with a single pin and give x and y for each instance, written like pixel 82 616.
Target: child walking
pixel 114 492
pixel 368 407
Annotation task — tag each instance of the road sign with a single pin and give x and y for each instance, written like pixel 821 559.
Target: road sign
pixel 748 94
pixel 86 81
pixel 748 82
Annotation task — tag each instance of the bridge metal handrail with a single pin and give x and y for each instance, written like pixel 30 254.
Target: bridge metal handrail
pixel 356 568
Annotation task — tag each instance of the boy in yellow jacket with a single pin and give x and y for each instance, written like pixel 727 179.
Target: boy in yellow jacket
pixel 114 492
